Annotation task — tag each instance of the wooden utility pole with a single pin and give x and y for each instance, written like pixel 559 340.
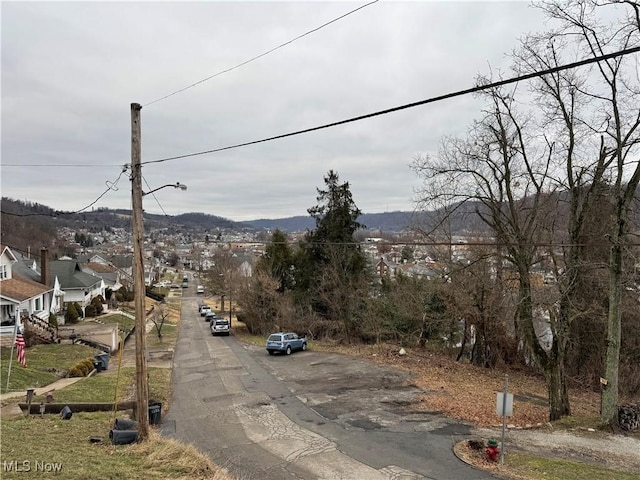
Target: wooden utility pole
pixel 142 385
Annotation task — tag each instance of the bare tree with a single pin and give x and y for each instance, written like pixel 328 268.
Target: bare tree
pixel 504 167
pixel 613 89
pixel 158 318
pixel 265 308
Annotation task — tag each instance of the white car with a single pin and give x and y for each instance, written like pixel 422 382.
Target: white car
pixel 199 289
pixel 220 326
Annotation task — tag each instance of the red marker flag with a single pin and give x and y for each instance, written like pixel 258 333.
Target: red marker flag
pixel 20 350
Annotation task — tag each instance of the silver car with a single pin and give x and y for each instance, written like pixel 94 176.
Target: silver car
pixel 220 326
pixel 285 342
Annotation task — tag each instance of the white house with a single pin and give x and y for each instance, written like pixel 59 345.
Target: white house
pixel 24 292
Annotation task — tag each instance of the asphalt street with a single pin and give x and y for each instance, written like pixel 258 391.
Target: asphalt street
pixel 311 415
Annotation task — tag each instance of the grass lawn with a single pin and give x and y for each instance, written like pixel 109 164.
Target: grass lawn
pixel 102 387
pixel 539 468
pixel 125 323
pixel 169 329
pixel 65 445
pixel 44 364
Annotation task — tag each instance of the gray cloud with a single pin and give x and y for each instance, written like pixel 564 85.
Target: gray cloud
pixel 71 70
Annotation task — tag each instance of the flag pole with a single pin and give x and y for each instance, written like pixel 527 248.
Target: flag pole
pixel 13 345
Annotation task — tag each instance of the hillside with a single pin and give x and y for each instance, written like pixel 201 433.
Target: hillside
pixel 389 221
pixel 19 220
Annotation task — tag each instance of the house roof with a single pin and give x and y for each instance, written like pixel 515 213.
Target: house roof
pixel 70 275
pixel 23 268
pixel 4 248
pixel 100 267
pixel 21 289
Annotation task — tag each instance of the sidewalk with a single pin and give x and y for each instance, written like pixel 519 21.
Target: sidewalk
pixel 57 385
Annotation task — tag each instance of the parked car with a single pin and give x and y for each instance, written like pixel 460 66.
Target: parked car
pixel 200 289
pixel 209 317
pixel 285 342
pixel 204 310
pixel 220 326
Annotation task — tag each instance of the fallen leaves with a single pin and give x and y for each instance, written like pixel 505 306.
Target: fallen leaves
pixel 467 392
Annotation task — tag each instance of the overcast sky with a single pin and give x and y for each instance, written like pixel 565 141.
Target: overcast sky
pixel 71 70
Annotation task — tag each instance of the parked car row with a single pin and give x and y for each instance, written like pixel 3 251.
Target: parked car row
pixel 217 324
pixel 283 342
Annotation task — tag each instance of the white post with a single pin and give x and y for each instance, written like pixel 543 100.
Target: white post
pixel 504 418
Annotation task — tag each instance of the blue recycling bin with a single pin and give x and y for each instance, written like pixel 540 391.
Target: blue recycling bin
pixel 103 358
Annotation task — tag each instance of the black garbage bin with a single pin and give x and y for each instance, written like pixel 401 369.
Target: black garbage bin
pixel 125 424
pixel 97 364
pixel 123 437
pixel 103 358
pixel 155 413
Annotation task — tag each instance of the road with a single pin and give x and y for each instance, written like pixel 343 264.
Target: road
pixel 310 415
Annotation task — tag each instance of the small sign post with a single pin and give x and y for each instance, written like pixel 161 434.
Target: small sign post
pixel 504 407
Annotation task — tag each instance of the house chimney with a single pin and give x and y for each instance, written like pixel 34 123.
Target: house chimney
pixel 44 266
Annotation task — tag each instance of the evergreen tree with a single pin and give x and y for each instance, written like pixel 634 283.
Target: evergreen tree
pixel 330 266
pixel 278 261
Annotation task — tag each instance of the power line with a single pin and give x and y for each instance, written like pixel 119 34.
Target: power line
pixel 261 55
pixel 413 104
pixel 75 165
pixel 111 186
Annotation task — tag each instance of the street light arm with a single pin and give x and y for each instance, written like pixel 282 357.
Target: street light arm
pixel 179 185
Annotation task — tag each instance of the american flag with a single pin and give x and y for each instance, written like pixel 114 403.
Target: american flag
pixel 20 350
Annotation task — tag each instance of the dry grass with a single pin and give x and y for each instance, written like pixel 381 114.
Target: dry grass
pixel 467 392
pixel 170 455
pixel 519 466
pixel 66 443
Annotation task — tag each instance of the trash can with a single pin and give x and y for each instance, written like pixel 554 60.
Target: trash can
pixel 66 413
pixel 103 358
pixel 123 437
pixel 125 424
pixel 155 413
pixel 97 364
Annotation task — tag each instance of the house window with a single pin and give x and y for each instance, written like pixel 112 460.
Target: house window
pixel 38 304
pixel 3 272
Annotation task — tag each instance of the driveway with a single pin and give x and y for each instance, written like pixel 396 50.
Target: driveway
pixel 310 415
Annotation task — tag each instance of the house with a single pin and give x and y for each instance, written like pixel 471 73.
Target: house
pixel 26 296
pixel 113 276
pixel 78 286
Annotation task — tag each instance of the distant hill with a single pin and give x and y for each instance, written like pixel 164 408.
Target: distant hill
pixel 19 216
pixel 388 221
pixel 19 219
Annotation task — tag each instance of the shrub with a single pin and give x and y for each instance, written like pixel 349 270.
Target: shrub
pixel 97 303
pixel 72 314
pixel 90 311
pixel 53 320
pixel 124 295
pixel 87 365
pixel 82 368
